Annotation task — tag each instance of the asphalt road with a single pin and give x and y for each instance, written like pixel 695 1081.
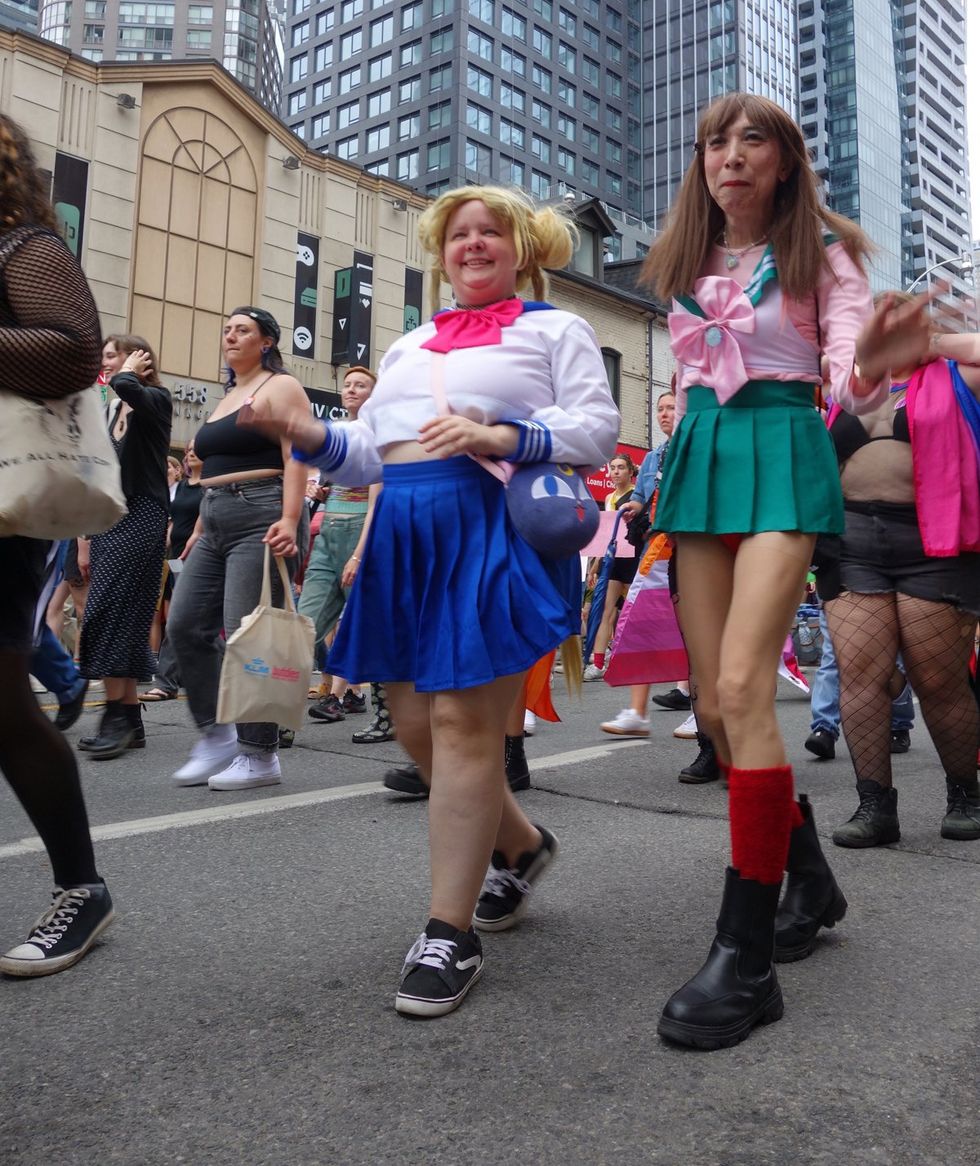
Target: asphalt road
pixel 240 1010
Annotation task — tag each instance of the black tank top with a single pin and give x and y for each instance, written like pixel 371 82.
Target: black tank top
pixel 228 448
pixel 849 435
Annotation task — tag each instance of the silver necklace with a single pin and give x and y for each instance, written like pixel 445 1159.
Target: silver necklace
pixel 734 258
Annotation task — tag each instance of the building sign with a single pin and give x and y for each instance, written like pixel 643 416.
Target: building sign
pixel 305 295
pixel 341 316
pixel 326 406
pixel 68 195
pixel 361 299
pixel 598 481
pixel 413 299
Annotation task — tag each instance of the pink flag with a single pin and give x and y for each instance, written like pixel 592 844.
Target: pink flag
pixel 647 647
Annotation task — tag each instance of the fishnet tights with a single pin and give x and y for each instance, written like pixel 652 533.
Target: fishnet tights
pixel 935 640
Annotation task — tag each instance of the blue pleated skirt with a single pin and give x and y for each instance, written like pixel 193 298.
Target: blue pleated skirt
pixel 449 596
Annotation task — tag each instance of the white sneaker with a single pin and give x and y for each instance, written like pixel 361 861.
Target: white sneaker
pixel 217 746
pixel 247 771
pixel 530 723
pixel 593 672
pixel 628 723
pixel 688 731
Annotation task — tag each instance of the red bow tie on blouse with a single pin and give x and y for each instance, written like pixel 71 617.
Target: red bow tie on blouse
pixel 473 327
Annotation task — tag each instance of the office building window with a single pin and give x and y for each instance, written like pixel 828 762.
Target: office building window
pixel 540 184
pixel 378 139
pixel 347 148
pixel 409 90
pixel 515 63
pixel 590 140
pixel 590 70
pixel 300 6
pixel 614 84
pixel 351 43
pixel 511 98
pixel 322 91
pixel 614 151
pixel 410 54
pixel 511 134
pixel 441 78
pixel 614 119
pixel 477 158
pixel 380 168
pixel 348 114
pixel 543 8
pixel 481 9
pixel 407 166
pixel 590 106
pixel 479 45
pixel 382 30
pixel 440 115
pixel 298 68
pixel 349 79
pixel 379 68
pixel 541 113
pixel 541 41
pixel 297 102
pixel 321 125
pixel 513 27
pixel 442 8
pixel 301 31
pixel 590 172
pixel 590 36
pixel 379 103
pixel 441 41
pixel 479 81
pixel 478 118
pixel 437 155
pixel 411 17
pixel 408 127
pixel 323 57
pixel 541 148
pixel 566 93
pixel 541 78
pixel 566 126
pixel 566 56
pixel 325 21
pixel 511 171
pixel 566 160
pixel 351 9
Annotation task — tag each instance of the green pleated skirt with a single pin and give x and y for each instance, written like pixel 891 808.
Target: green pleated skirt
pixel 763 461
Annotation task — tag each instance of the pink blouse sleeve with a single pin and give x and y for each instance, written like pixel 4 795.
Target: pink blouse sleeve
pixel 843 306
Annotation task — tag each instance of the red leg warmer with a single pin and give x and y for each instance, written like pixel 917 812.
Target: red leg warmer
pixel 761 813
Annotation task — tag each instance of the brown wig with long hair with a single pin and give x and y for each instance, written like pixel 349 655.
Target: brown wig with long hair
pixel 129 343
pixel 799 221
pixel 23 190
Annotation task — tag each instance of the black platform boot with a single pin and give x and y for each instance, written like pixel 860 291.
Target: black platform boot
pixel 515 764
pixel 812 899
pixel 705 766
pixel 120 729
pixel 736 988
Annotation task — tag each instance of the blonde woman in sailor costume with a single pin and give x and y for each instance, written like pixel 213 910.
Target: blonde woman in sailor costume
pixel 763 280
pixel 451 606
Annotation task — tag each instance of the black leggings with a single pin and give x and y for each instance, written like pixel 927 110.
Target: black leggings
pixel 34 757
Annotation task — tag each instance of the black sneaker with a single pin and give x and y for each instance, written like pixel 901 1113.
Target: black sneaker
pixel 407 781
pixel 962 820
pixel 354 702
pixel 440 969
pixel 328 709
pixel 64 933
pixel 675 700
pixel 503 900
pixel 875 821
pixel 901 741
pixel 69 711
pixel 821 743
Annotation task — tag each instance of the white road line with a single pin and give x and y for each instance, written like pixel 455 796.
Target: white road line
pixel 230 811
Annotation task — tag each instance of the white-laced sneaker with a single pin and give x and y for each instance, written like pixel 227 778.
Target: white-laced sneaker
pixel 688 731
pixel 530 723
pixel 247 771
pixel 212 753
pixel 627 723
pixel 593 672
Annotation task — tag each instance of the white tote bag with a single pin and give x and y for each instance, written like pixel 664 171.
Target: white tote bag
pixel 59 475
pixel 265 675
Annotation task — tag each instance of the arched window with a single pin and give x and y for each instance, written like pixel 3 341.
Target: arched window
pixel 613 361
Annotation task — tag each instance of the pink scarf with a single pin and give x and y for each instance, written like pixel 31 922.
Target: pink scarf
pixel 944 464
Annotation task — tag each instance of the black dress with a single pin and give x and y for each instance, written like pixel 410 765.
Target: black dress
pixel 127 559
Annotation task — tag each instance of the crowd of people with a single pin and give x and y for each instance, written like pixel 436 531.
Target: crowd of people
pixel 808 427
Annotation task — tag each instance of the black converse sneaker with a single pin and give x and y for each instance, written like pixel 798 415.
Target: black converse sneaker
pixel 503 900
pixel 64 933
pixel 439 970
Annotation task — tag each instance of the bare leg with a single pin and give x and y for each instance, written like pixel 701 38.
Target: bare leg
pixel 610 613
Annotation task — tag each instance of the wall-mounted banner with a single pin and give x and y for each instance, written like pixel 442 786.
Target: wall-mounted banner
pixel 305 295
pixel 413 299
pixel 341 316
pixel 361 298
pixel 68 195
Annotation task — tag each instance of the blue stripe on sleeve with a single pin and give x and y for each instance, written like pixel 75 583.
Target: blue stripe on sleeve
pixel 330 455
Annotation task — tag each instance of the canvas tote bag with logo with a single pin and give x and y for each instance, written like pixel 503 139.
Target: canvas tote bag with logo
pixel 266 670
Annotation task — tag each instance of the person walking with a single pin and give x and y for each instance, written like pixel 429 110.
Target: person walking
pixel 451 606
pixel 50 346
pixel 762 278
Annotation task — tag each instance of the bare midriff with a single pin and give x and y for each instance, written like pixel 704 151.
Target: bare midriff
pixel 407 451
pixel 244 476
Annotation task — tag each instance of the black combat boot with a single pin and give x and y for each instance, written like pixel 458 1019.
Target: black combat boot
pixel 515 763
pixel 962 821
pixel 812 899
pixel 736 988
pixel 121 729
pixel 875 821
pixel 705 766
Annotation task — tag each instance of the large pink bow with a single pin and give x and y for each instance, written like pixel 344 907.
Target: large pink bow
pixel 473 327
pixel 708 344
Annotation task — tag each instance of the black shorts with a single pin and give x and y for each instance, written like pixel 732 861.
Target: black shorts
pixel 624 569
pixel 881 551
pixel 22 570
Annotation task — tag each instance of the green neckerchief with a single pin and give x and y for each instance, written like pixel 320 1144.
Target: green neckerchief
pixel 764 273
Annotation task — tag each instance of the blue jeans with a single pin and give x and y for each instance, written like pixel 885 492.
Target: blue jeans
pixel 825 693
pixel 218 587
pixel 55 668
